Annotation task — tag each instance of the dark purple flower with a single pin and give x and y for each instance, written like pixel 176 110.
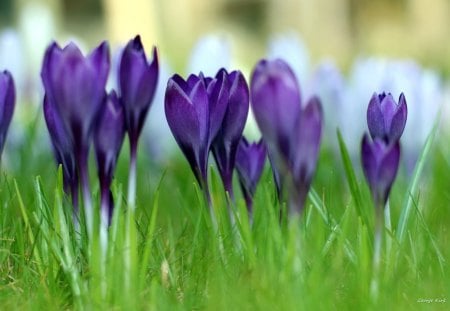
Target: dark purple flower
pixel 380 164
pixel 108 139
pixel 305 150
pixel 225 144
pixel 250 159
pixel 292 134
pixel 276 103
pixel 63 150
pixel 7 103
pixel 75 86
pixel 194 110
pixel 137 80
pixel 386 119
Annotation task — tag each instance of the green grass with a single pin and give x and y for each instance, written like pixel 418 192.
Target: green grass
pixel 169 256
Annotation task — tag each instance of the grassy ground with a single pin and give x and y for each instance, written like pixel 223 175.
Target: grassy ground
pixel 168 256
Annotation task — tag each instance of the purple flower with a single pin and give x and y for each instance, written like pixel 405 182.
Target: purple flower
pixel 225 144
pixel 63 150
pixel 194 110
pixel 137 80
pixel 276 103
pixel 7 103
pixel 386 119
pixel 292 134
pixel 250 159
pixel 75 86
pixel 108 139
pixel 380 164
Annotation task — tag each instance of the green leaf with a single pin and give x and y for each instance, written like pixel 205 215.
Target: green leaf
pixel 412 189
pixel 351 179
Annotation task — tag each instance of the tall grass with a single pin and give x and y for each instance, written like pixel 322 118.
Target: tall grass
pixel 177 259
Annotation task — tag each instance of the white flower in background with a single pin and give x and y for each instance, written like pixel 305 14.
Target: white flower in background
pixel 158 138
pixel 423 92
pixel 291 49
pixel 210 53
pixel 12 57
pixel 328 83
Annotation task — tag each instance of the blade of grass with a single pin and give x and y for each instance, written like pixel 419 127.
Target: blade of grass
pixel 351 178
pixel 412 189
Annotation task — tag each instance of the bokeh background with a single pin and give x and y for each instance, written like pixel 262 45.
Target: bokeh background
pixel 343 50
pixel 337 29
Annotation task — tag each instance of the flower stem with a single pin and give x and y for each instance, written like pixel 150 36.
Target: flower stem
pixel 378 240
pixel 85 189
pixel 132 175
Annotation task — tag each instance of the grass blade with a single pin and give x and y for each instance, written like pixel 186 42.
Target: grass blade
pixel 409 199
pixel 351 178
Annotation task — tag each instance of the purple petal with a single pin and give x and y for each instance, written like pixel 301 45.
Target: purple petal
pixel 375 119
pixel 369 162
pixel 182 118
pixel 250 160
pixel 388 168
pixel 398 120
pixel 7 104
pixel 218 99
pixel 237 111
pixel 109 135
pixel 100 60
pixel 307 145
pixel 199 99
pixel 388 107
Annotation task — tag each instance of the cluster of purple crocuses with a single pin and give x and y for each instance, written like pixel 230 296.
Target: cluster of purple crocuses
pixel 205 114
pixel 78 110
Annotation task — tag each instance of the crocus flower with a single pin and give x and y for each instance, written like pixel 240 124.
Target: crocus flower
pixel 108 139
pixel 7 103
pixel 194 110
pixel 137 82
pixel 250 159
pixel 292 134
pixel 225 144
pixel 63 150
pixel 380 164
pixel 75 85
pixel 386 119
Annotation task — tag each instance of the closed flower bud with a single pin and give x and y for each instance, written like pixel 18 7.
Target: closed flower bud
pixel 292 134
pixel 386 119
pixel 250 160
pixel 7 103
pixel 380 163
pixel 137 80
pixel 225 144
pixel 108 139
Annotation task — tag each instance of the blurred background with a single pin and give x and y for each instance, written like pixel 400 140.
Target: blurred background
pixel 337 29
pixel 344 50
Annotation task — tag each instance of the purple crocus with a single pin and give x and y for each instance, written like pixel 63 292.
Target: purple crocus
pixel 292 134
pixel 108 139
pixel 380 163
pixel 137 81
pixel 7 103
pixel 225 144
pixel 75 85
pixel 194 110
pixel 386 119
pixel 250 160
pixel 63 150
